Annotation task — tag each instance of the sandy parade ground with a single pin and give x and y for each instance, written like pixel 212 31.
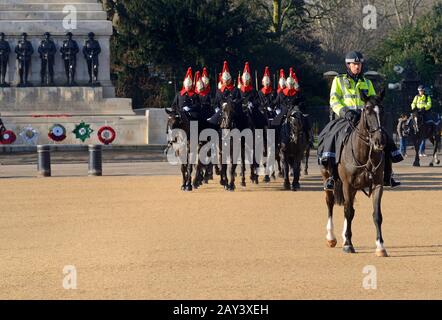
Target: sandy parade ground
pixel 132 234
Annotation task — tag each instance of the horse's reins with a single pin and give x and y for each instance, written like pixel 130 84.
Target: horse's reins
pixel 369 142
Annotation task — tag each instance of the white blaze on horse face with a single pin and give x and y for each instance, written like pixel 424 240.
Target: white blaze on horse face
pixel 378 114
pixel 330 229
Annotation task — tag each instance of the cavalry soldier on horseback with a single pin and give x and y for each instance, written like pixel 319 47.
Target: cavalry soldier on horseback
pixel 187 102
pixel 288 102
pixel 250 99
pixel 202 89
pixel 346 103
pixel 266 96
pixel 226 91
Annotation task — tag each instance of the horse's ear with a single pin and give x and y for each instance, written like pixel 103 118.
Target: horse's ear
pixel 169 111
pixel 363 96
pixel 382 94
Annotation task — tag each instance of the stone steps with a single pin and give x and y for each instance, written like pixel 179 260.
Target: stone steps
pixel 50 15
pixel 49 6
pixel 50 1
pixel 55 27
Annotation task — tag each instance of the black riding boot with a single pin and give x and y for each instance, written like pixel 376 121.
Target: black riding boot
pixel 388 173
pixel 329 184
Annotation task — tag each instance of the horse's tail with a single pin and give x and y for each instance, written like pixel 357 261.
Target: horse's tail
pixel 339 193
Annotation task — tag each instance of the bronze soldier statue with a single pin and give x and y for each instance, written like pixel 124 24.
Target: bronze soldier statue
pixel 69 51
pixel 47 52
pixel 5 50
pixel 91 50
pixel 24 51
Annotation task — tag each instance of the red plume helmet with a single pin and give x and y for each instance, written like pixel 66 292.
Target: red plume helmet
pixel 188 83
pixel 266 82
pixel 281 81
pixel 246 83
pixel 292 81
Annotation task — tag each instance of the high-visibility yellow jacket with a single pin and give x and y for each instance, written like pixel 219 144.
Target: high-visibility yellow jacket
pixel 421 102
pixel 345 93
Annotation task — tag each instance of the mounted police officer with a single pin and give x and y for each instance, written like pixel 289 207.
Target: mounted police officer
pixel 69 51
pixel 24 51
pixel 346 103
pixel 47 52
pixel 5 50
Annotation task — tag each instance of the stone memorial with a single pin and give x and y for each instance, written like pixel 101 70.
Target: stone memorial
pixel 89 98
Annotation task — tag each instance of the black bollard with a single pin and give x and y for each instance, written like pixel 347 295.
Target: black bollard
pixel 95 160
pixel 44 160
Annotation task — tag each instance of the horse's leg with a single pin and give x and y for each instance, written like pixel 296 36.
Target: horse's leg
pixel 416 162
pixel 296 174
pixel 189 177
pixel 331 238
pixel 243 163
pixel 307 155
pixel 349 212
pixel 223 174
pixel 377 218
pixel 286 171
pixel 231 186
pixel 183 172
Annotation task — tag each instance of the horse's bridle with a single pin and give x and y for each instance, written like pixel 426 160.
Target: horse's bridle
pixel 369 142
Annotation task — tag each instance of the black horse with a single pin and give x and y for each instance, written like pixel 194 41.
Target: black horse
pixel 361 167
pixel 181 120
pixel 293 152
pixel 420 130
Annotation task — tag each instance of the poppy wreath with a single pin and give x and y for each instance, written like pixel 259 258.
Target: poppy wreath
pixel 57 132
pixel 106 135
pixel 7 137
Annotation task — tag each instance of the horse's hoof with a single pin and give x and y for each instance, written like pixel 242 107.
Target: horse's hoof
pixel 332 243
pixel 266 179
pixel 231 187
pixel 273 176
pixel 287 186
pixel 222 182
pixel 381 253
pixel 243 184
pixel 296 187
pixel 416 164
pixel 183 187
pixel 431 164
pixel 188 188
pixel 305 172
pixel 349 249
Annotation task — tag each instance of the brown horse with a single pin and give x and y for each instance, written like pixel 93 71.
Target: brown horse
pixel 361 167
